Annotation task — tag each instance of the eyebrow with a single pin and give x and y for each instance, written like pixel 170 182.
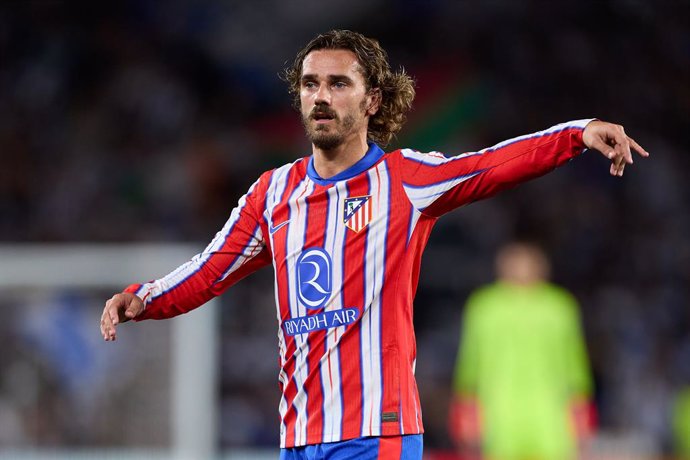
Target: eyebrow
pixel 331 78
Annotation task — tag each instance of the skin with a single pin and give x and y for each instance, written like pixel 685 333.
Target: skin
pixel 333 85
pixel 521 265
pixel 612 142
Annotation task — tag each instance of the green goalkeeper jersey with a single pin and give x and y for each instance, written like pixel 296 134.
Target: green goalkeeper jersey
pixel 523 356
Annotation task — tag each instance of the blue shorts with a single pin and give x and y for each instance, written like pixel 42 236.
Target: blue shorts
pixel 407 447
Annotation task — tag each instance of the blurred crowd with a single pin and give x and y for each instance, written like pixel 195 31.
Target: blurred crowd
pixel 137 122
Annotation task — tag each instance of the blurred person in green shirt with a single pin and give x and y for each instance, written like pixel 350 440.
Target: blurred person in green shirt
pixel 681 423
pixel 522 382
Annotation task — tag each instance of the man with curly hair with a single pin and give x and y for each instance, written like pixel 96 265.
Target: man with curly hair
pixel 345 229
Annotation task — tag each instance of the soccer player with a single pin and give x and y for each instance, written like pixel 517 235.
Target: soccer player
pixel 345 229
pixel 522 381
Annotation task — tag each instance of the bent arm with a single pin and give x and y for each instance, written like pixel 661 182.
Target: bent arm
pixel 236 251
pixel 196 282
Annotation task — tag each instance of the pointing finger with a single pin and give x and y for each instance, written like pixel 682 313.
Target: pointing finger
pixel 638 148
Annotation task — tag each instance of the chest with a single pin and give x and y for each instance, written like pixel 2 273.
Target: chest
pixel 305 214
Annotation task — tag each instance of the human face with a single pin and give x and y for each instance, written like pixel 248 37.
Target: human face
pixel 334 100
pixel 522 265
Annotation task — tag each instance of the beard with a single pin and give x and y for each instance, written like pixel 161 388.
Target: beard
pixel 328 137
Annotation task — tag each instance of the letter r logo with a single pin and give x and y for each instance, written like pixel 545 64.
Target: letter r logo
pixel 314 278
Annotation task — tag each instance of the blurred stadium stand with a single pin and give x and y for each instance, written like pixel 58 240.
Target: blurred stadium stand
pixel 133 122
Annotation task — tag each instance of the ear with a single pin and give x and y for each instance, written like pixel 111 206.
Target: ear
pixel 373 101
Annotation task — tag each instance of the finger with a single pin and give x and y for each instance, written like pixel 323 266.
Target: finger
pixel 103 327
pixel 638 148
pixel 622 139
pixel 617 161
pixel 107 327
pixel 106 322
pixel 134 308
pixel 111 307
pixel 617 166
pixel 132 311
pixel 622 146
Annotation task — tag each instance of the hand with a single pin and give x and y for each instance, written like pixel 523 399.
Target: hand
pixel 464 422
pixel 584 417
pixel 119 309
pixel 613 143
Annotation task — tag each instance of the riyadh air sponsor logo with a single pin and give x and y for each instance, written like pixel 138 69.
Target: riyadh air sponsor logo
pixel 314 280
pixel 314 289
pixel 357 212
pixel 320 321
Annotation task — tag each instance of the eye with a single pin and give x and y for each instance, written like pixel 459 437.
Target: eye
pixel 339 84
pixel 308 84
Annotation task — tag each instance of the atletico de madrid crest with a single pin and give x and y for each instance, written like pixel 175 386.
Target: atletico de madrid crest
pixel 357 212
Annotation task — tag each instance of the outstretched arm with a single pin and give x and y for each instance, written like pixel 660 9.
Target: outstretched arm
pixel 436 184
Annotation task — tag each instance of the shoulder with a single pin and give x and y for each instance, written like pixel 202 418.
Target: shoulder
pixel 274 176
pixel 416 156
pixel 558 291
pixel 270 184
pixel 486 294
pixel 560 296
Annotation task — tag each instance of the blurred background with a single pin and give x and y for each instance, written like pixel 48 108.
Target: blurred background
pixel 142 122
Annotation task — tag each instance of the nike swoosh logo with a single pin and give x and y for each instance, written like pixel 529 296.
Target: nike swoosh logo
pixel 272 230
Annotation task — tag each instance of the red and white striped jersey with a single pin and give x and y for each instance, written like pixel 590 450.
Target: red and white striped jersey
pixel 346 253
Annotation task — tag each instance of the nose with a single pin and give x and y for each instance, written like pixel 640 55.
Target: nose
pixel 322 95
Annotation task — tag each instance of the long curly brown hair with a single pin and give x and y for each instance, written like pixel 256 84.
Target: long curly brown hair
pixel 397 88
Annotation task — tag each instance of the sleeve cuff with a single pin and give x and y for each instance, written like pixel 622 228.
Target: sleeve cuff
pixel 141 291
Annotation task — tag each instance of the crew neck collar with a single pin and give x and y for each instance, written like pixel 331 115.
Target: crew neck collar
pixel 373 155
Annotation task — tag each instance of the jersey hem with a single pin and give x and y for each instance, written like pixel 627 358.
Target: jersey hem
pixel 327 438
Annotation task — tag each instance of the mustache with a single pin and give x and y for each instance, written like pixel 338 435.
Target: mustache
pixel 322 110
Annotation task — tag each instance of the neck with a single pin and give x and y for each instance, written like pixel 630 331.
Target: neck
pixel 522 281
pixel 328 163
